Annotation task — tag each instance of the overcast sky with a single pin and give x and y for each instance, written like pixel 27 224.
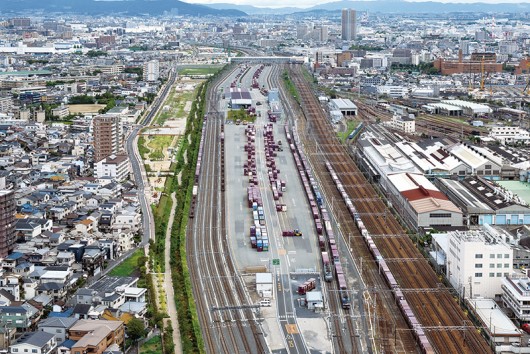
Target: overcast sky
pixel 309 3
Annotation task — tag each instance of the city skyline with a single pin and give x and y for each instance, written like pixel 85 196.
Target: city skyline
pixel 311 3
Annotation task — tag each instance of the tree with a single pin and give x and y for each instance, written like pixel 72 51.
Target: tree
pixel 136 329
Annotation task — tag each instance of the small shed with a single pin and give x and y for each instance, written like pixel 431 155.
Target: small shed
pixel 314 300
pixel 264 284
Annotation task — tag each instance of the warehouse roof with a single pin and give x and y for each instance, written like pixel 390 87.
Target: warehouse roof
pixel 422 195
pixel 464 197
pixel 445 106
pixel 475 107
pixel 342 103
pixel 468 156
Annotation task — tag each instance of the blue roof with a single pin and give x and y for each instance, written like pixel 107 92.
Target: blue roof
pixel 66 313
pixel 14 256
pixel 69 343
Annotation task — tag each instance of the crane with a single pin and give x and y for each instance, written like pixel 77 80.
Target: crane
pixel 526 91
pixel 482 77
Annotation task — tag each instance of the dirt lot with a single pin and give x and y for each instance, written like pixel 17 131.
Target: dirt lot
pixel 85 108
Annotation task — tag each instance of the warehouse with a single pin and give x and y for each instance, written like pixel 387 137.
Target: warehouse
pixel 347 107
pixel 470 108
pixel 443 108
pixel 240 98
pixel 420 202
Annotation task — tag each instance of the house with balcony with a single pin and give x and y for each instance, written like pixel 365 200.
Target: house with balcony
pixel 15 317
pixel 35 343
pixel 95 336
pixel 516 295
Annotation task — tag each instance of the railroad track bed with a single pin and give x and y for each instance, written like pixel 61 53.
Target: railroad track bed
pixel 228 325
pixel 438 320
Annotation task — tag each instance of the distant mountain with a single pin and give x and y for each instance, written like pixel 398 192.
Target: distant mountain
pixel 253 10
pixel 108 7
pixel 385 6
pixel 399 6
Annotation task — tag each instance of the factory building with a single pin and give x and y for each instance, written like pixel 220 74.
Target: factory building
pixel 378 157
pixel 479 161
pixel 483 202
pixel 432 158
pixel 419 202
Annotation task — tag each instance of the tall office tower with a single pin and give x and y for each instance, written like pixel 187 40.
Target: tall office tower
pixel 349 24
pixel 151 70
pixel 7 222
pixel 107 134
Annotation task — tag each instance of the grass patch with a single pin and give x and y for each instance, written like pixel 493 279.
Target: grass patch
pixel 129 266
pixel 291 88
pixel 242 115
pixel 158 143
pixel 142 149
pixel 350 126
pixel 174 106
pixel 152 346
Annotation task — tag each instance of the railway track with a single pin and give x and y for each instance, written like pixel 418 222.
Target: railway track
pixel 445 322
pixel 227 318
pixel 346 326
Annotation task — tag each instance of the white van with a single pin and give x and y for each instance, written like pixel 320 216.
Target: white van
pixel 265 303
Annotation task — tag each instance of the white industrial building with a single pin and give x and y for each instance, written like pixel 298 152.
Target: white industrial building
pixel 264 284
pixel 392 91
pixel 510 135
pixel 346 106
pixel 314 300
pixel 240 98
pixel 470 108
pixel 420 202
pixel 403 123
pixel 379 154
pixel 476 261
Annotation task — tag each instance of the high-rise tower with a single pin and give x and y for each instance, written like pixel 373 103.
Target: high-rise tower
pixel 349 24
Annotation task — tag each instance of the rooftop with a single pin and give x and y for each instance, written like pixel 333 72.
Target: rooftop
pixel 521 189
pixel 492 316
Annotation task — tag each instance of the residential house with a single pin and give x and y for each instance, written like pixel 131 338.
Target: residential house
pixel 34 342
pixel 57 326
pixel 95 336
pixel 93 259
pixel 15 317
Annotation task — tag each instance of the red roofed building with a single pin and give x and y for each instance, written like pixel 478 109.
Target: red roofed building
pixel 420 202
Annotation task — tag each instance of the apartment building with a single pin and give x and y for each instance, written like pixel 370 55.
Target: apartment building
pixel 107 135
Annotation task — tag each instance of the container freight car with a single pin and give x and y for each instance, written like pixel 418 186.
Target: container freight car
pixel 294 232
pixel 326 267
pixel 403 304
pixel 309 285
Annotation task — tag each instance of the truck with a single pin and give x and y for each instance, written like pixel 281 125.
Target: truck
pixel 294 232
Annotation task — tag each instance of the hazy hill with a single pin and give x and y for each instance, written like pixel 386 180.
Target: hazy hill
pixel 108 7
